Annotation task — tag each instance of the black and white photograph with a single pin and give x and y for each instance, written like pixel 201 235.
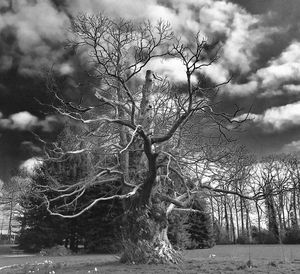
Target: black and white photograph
pixel 149 136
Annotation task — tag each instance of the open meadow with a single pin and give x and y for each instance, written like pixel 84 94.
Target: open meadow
pixel 219 259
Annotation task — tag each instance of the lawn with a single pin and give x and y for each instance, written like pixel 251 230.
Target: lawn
pixel 220 259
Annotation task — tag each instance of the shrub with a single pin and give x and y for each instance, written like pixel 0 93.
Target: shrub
pixel 292 236
pixel 263 237
pixel 200 225
pixel 178 230
pixel 33 240
pixel 220 234
pixel 243 238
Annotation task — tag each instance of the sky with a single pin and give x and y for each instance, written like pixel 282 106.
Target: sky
pixel 260 49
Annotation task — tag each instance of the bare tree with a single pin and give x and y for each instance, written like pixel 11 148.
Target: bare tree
pixel 292 164
pixel 148 135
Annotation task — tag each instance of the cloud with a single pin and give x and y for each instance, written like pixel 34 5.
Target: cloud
pixel 271 93
pixel 292 89
pixel 4 4
pixel 277 78
pixel 165 67
pixel 137 9
pixel 6 62
pixel 30 165
pixel 214 19
pixel 38 28
pixel 24 120
pixel 285 90
pixel 21 121
pixel 233 26
pixel 245 89
pixel 49 124
pixel 284 68
pixel 233 22
pixel 276 118
pixel 66 69
pixel 217 72
pixel 292 147
pixel 31 39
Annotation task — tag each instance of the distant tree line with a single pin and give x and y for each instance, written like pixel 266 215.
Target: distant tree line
pixel 273 216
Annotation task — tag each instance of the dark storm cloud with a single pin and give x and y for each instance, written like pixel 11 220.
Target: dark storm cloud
pixel 31 36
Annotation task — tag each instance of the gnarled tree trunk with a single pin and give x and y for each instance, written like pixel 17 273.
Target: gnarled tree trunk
pixel 145 239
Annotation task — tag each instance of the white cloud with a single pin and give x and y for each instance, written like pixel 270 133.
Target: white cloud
pixel 247 117
pixel 30 165
pixel 233 22
pixel 217 72
pixel 137 9
pixel 37 26
pixel 288 89
pixel 292 89
pixel 277 77
pixel 23 120
pixel 239 52
pixel 211 18
pixel 292 147
pixel 37 22
pixel 66 69
pixel 26 121
pixel 271 93
pixel 216 16
pixel 171 68
pixel 282 69
pixel 241 89
pixel 283 117
pixel 276 118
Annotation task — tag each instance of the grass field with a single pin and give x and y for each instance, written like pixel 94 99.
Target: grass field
pixel 220 259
